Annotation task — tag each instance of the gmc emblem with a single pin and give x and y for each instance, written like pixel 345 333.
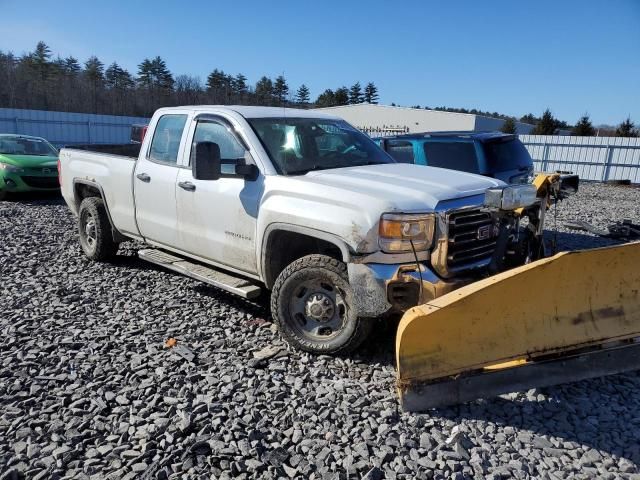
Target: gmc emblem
pixel 487 231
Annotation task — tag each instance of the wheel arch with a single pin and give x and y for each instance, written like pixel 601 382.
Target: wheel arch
pixel 301 241
pixel 86 188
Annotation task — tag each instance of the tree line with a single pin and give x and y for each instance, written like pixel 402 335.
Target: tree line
pixel 547 124
pixel 39 81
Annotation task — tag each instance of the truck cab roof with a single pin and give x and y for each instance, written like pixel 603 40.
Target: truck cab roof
pixel 256 112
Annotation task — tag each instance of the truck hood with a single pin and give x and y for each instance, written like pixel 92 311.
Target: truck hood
pixel 408 187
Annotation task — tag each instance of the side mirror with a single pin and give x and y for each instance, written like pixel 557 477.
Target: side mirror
pixel 206 164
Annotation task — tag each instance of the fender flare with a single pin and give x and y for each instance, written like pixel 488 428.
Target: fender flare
pixel 311 232
pixel 117 236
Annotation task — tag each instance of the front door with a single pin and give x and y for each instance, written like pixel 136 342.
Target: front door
pixel 154 183
pixel 217 218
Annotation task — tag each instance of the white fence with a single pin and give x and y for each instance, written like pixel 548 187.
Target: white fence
pixel 592 158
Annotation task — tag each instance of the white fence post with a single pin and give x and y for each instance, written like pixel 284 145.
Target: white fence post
pixel 607 165
pixel 545 157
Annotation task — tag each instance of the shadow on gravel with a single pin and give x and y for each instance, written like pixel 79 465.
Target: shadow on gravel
pixel 379 348
pixel 577 241
pixel 36 198
pixel 566 415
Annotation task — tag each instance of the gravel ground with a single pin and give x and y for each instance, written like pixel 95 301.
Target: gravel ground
pixel 88 390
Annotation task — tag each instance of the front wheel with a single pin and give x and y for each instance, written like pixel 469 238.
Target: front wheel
pixel 94 229
pixel 313 306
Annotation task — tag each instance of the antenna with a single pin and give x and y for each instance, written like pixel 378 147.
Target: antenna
pixel 284 110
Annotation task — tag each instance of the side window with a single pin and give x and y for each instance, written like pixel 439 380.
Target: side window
pixel 166 139
pixel 231 150
pixel 400 150
pixel 453 155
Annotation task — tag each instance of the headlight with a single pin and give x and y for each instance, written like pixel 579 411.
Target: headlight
pixel 511 197
pixel 397 231
pixel 11 168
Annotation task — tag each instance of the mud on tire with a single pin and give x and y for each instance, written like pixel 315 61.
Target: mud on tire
pixel 94 228
pixel 313 306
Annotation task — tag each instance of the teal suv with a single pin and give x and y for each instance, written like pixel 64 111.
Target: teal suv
pixel 493 154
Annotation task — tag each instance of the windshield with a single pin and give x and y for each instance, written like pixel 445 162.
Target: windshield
pixel 299 145
pixel 506 155
pixel 26 146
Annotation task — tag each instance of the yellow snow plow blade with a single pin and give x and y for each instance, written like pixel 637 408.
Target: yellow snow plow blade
pixel 572 316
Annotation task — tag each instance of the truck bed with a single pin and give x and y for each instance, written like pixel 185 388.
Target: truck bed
pixel 108 167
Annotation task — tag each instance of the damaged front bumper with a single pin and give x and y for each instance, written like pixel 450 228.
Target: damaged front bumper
pixel 380 288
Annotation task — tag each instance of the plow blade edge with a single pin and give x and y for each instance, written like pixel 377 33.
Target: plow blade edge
pixel 572 316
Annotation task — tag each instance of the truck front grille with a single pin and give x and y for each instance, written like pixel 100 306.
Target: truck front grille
pixel 471 238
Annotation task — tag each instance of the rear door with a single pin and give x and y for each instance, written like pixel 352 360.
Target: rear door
pixel 154 181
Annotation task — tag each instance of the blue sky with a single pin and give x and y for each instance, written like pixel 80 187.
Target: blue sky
pixel 512 56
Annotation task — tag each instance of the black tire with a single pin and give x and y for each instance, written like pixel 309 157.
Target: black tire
pixel 312 280
pixel 94 228
pixel 3 194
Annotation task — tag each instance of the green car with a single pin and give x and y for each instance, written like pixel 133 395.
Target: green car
pixel 27 164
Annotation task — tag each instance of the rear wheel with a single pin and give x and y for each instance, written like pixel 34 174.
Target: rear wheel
pixel 313 305
pixel 3 194
pixel 94 229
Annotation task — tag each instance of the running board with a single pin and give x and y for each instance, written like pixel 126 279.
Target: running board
pixel 237 285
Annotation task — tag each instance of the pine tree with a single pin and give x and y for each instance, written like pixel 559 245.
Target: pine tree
pixel 280 89
pixel 326 99
pixel 117 78
pixel 41 56
pixel 239 85
pixel 528 118
pixel 627 129
pixel 71 66
pixel 219 86
pixel 509 126
pixel 264 91
pixel 216 80
pixel 162 75
pixel 547 124
pixel 355 94
pixel 94 70
pixel 40 70
pixel 371 93
pixel 94 73
pixel 341 96
pixel 584 128
pixel 302 95
pixel 154 74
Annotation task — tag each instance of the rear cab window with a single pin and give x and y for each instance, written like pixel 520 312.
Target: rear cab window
pixel 400 150
pixel 166 139
pixel 453 155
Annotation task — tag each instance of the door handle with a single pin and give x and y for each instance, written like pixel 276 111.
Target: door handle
pixel 144 177
pixel 188 186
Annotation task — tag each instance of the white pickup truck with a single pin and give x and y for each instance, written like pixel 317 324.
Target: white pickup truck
pixel 297 202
